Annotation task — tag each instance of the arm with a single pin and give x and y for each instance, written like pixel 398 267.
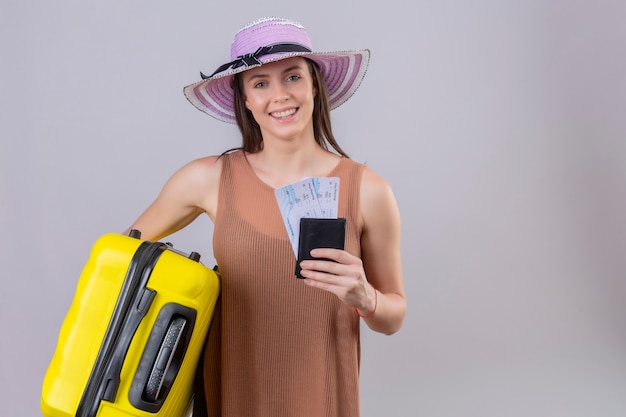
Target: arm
pixel 372 284
pixel 380 251
pixel 190 191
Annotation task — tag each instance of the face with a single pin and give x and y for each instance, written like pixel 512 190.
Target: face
pixel 280 97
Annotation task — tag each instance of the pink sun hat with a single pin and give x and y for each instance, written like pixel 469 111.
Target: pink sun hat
pixel 272 39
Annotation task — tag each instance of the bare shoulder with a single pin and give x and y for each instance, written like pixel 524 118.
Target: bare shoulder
pixel 373 182
pixel 377 201
pixel 197 182
pixel 190 191
pixel 202 170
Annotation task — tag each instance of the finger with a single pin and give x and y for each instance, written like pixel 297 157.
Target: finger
pixel 322 285
pixel 328 267
pixel 337 255
pixel 339 287
pixel 322 277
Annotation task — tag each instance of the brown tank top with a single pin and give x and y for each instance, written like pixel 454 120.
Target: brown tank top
pixel 276 346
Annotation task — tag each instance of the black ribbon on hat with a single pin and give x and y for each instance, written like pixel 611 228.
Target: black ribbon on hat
pixel 253 58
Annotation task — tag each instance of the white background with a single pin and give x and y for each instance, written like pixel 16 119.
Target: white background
pixel 499 124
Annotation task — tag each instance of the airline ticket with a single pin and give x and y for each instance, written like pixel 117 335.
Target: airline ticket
pixel 310 197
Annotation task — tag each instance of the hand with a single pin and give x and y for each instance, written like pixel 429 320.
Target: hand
pixel 345 278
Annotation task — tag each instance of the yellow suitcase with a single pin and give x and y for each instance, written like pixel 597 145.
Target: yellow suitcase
pixel 131 340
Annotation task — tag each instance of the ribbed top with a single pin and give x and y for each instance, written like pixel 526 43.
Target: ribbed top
pixel 277 347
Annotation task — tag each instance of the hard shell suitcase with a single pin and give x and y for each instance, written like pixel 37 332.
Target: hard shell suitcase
pixel 130 342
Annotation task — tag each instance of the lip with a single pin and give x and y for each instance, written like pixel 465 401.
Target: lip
pixel 284 114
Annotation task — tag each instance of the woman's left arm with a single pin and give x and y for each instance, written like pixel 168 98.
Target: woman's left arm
pixel 371 284
pixel 380 254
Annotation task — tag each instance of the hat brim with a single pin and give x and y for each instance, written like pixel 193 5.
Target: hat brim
pixel 342 72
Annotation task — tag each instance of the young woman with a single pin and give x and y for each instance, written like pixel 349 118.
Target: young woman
pixel 282 346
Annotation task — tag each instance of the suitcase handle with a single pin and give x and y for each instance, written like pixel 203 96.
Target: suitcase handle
pixel 166 360
pixel 162 357
pixel 129 311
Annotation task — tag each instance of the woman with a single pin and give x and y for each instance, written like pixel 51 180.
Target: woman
pixel 282 346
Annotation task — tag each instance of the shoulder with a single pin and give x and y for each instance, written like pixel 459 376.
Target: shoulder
pixel 202 166
pixel 203 170
pixel 373 186
pixel 377 200
pixel 197 182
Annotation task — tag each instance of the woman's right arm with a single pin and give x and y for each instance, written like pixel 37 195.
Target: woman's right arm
pixel 189 192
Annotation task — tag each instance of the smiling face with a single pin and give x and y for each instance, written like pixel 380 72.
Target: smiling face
pixel 280 97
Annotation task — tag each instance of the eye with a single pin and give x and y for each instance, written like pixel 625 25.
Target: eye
pixel 294 77
pixel 260 84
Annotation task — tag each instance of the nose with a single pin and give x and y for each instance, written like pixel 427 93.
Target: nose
pixel 279 92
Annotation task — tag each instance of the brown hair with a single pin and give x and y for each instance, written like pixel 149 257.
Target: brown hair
pixel 322 130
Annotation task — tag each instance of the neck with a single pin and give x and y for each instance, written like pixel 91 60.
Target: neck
pixel 289 153
pixel 282 165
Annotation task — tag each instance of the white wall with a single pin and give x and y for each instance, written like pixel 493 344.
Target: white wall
pixel 499 124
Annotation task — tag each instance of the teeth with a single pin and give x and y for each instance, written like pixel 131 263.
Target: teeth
pixel 285 113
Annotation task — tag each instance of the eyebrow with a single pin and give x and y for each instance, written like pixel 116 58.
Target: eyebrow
pixel 289 69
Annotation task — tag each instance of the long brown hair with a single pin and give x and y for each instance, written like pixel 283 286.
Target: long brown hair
pixel 322 130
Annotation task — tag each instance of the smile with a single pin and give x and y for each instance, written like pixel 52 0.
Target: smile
pixel 283 114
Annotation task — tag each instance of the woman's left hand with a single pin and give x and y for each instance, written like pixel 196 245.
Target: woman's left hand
pixel 345 278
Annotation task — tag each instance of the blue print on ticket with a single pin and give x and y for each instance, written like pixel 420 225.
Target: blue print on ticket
pixel 311 197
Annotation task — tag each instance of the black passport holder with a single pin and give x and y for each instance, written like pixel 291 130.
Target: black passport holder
pixel 319 233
